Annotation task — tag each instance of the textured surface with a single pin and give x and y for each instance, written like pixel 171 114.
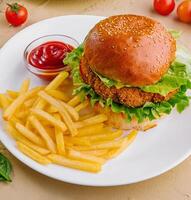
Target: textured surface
pixel 174 184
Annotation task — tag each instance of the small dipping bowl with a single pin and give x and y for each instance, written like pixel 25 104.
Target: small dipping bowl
pixel 47 74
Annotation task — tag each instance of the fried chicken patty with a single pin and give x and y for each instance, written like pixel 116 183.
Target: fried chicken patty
pixel 128 96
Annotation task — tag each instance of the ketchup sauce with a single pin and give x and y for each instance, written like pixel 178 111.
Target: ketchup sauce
pixel 49 55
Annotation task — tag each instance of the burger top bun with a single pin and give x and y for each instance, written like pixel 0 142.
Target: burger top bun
pixel 134 50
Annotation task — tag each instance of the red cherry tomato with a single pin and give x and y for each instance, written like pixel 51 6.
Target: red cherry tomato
pixel 164 7
pixel 184 11
pixel 16 14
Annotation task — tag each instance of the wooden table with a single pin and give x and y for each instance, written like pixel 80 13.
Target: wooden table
pixel 30 185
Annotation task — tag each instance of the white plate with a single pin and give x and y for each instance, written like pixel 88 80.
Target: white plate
pixel 153 152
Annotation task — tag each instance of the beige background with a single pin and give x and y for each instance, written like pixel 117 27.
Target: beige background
pixel 28 184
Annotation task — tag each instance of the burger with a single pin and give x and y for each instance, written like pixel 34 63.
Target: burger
pixel 131 69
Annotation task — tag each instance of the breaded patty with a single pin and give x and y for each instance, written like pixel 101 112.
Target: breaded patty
pixel 128 96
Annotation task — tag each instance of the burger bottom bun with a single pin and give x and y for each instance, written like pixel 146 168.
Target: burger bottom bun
pixel 117 120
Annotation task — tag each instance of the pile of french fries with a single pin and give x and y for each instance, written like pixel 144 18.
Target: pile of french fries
pixel 51 126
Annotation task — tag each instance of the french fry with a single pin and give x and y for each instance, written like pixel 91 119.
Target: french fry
pixel 57 94
pixel 60 142
pixel 87 116
pixel 25 86
pixel 98 153
pixel 22 114
pixel 51 132
pixel 59 138
pixel 76 155
pixel 74 101
pixel 105 145
pixel 33 154
pixel 45 122
pixel 35 147
pixel 93 120
pixel 69 123
pixel 10 99
pixel 41 130
pixel 52 109
pixel 13 132
pixel 77 141
pixel 15 120
pixel 91 130
pixel 12 94
pixel 67 82
pixel 29 134
pixel 85 166
pixel 38 103
pixel 149 126
pixel 68 144
pixel 17 136
pixel 11 109
pixel 52 86
pixel 27 124
pixel 127 141
pixel 49 118
pixel 81 106
pixel 4 101
pixel 104 137
pixel 71 111
pixel 29 103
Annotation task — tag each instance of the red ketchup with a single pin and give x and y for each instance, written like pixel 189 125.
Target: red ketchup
pixel 49 56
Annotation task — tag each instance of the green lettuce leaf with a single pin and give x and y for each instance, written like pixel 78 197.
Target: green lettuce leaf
pixel 108 82
pixel 175 34
pixel 148 111
pixel 183 58
pixel 73 60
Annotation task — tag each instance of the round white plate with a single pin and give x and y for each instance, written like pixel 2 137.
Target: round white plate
pixel 153 152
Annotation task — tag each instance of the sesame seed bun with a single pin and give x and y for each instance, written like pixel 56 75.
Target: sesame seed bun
pixel 135 50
